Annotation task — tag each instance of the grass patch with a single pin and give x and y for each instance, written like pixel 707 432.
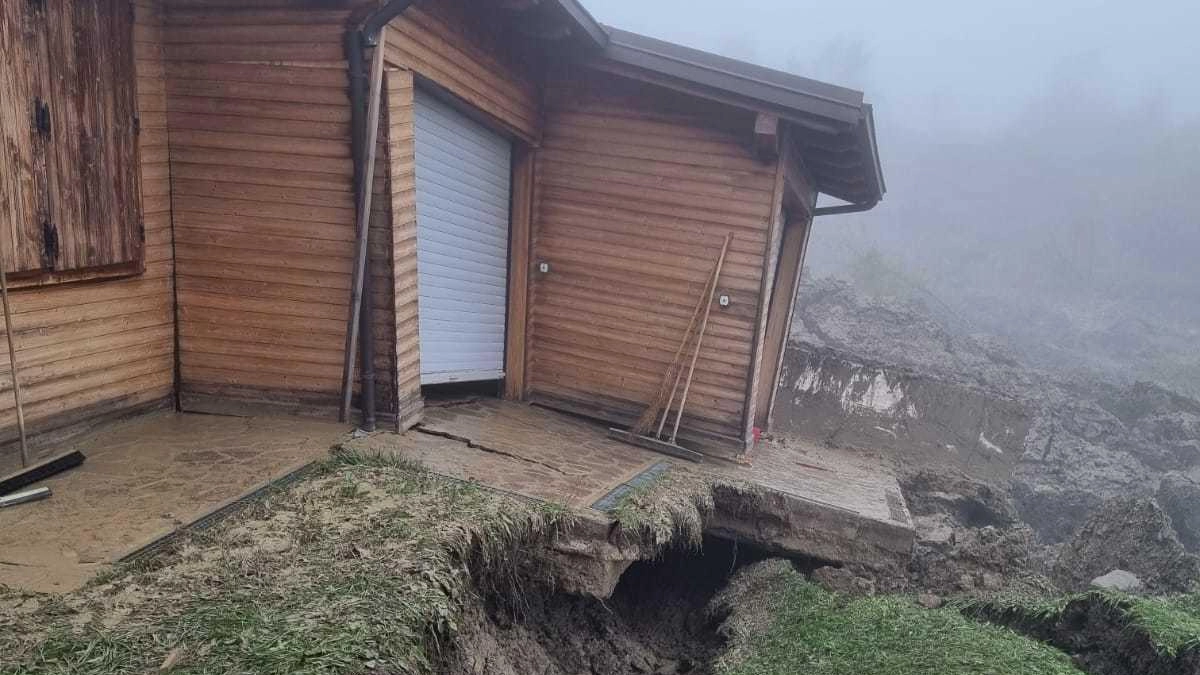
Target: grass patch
pixel 818 633
pixel 363 566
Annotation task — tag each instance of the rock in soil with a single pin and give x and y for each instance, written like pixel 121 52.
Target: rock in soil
pixel 930 601
pixel 1129 534
pixel 843 581
pixel 1119 580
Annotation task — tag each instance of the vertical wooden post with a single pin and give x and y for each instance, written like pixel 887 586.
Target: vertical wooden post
pixel 520 241
pixel 770 264
pixel 779 315
pixel 12 362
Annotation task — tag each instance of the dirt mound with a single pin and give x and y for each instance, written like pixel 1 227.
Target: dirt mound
pixel 905 378
pixel 1179 496
pixel 1129 534
pixel 968 502
pixel 968 536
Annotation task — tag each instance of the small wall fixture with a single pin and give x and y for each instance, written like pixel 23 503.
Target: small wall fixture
pixel 723 301
pixel 544 267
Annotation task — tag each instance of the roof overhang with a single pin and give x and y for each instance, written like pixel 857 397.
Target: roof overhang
pixel 833 126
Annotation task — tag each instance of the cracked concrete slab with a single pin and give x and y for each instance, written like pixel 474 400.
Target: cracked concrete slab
pixel 811 500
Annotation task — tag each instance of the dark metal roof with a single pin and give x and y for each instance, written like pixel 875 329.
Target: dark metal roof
pixel 834 127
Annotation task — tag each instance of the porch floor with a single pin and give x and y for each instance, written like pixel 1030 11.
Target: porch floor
pixel 144 478
pixel 836 504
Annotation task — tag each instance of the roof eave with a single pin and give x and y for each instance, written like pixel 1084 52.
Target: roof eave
pixel 586 24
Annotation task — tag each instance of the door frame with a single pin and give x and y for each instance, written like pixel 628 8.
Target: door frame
pixel 520 233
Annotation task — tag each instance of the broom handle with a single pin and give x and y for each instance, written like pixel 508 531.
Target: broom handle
pixel 709 288
pixel 712 291
pixel 12 362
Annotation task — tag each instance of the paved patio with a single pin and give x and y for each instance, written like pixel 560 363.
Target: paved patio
pixel 822 502
pixel 151 475
pixel 144 478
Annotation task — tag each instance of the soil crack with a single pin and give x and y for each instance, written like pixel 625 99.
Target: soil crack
pixel 488 449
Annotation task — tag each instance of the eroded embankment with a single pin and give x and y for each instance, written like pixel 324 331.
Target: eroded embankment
pixel 656 621
pixel 1106 634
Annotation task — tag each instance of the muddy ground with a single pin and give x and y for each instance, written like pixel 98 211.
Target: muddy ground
pixel 655 622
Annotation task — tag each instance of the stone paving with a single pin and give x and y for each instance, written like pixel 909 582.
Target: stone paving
pixel 572 460
pixel 830 502
pixel 144 478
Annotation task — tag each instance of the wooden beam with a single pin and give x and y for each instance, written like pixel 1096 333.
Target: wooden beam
pixel 541 30
pixel 845 142
pixel 766 137
pixel 779 319
pixel 519 262
pixel 518 5
pixel 767 285
pixel 800 195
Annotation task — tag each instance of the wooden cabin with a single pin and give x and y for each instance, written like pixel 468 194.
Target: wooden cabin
pixel 181 184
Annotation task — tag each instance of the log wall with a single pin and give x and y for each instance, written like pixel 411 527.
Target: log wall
pixel 264 204
pixel 636 190
pixel 402 196
pixel 263 195
pixel 94 350
pixel 455 45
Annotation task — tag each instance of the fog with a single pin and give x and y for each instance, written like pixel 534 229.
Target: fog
pixel 1042 161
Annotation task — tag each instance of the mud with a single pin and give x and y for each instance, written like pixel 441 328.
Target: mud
pixel 1134 535
pixel 969 537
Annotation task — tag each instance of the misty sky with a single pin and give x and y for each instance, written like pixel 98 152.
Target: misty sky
pixel 1042 158
pixel 967 66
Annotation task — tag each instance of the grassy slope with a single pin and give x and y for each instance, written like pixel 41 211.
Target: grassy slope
pixel 818 633
pixel 359 567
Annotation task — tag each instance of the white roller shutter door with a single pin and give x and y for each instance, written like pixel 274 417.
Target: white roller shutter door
pixel 463 176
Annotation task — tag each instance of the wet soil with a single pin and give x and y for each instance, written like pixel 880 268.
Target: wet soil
pixel 655 622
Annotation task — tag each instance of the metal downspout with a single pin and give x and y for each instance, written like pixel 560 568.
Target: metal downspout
pixel 358 103
pixel 357 40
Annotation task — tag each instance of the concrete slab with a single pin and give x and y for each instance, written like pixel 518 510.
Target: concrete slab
pixel 807 500
pixel 144 478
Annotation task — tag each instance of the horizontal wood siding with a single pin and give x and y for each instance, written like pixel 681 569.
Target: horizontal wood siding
pixel 459 46
pixel 403 200
pixel 93 350
pixel 264 203
pixel 636 190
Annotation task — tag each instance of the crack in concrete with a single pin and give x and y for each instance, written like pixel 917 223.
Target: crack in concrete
pixel 495 451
